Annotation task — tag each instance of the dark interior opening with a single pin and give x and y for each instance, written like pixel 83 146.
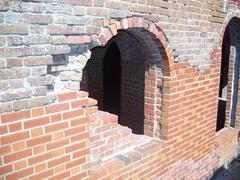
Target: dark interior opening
pixel 115 77
pixel 112 80
pixel 221 116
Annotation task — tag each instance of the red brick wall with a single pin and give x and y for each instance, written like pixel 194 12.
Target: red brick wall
pixel 47 142
pixel 45 46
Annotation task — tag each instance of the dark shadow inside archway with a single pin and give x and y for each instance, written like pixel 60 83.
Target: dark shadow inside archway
pixel 222 102
pixel 229 105
pixel 112 80
pixel 114 75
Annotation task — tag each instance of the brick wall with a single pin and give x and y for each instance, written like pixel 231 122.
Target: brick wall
pixel 49 42
pixel 44 47
pixel 47 142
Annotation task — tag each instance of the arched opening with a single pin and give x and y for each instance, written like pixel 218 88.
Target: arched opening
pixel 115 76
pixel 112 80
pixel 222 101
pixel 228 106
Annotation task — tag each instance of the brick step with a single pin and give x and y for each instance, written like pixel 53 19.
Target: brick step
pixel 107 136
pixel 142 152
pixel 103 118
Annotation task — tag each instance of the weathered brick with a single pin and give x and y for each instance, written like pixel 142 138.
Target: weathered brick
pixel 36 39
pixel 15 40
pixel 94 11
pixel 78 39
pixel 59 40
pixel 79 11
pixel 15 83
pixel 19 105
pixel 74 2
pixel 4 5
pixel 59 29
pixel 36 29
pixel 4 84
pixel 6 107
pixel 2 41
pixel 9 96
pixel 59 9
pixel 37 60
pixel 14 62
pixel 58 49
pixel 20 6
pixel 38 70
pixel 14 29
pixel 41 101
pixel 37 19
pixel 13 18
pixel 40 80
pixel 40 91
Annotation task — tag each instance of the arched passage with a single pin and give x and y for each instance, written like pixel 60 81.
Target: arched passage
pixel 228 106
pixel 112 80
pixel 153 55
pixel 121 80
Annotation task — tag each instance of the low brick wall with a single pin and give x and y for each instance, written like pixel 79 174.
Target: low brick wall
pixel 71 139
pixel 50 141
pixel 226 145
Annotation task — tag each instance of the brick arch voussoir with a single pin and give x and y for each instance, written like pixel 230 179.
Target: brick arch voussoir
pixel 110 30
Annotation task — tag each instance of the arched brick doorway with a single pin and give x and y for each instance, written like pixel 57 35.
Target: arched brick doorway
pixel 121 79
pixel 229 106
pixel 156 57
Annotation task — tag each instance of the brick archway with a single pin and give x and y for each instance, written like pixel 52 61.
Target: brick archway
pixel 160 63
pixel 112 26
pixel 217 61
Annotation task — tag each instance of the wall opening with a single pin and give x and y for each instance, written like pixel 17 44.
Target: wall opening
pixel 222 100
pixel 112 80
pixel 114 75
pixel 228 107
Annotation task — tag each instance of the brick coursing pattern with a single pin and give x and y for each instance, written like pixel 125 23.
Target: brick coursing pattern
pixel 44 47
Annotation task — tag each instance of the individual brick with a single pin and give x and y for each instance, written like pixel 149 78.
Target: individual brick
pixel 20 174
pixel 78 39
pixel 20 104
pixel 59 29
pixel 14 116
pixel 37 60
pixel 94 11
pixel 17 156
pixel 39 140
pixel 36 122
pixel 14 29
pixel 37 19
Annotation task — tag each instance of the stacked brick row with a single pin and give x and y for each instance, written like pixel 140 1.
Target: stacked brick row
pixel 45 44
pixel 47 142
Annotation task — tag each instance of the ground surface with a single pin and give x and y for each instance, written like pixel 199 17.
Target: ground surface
pixel 231 173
